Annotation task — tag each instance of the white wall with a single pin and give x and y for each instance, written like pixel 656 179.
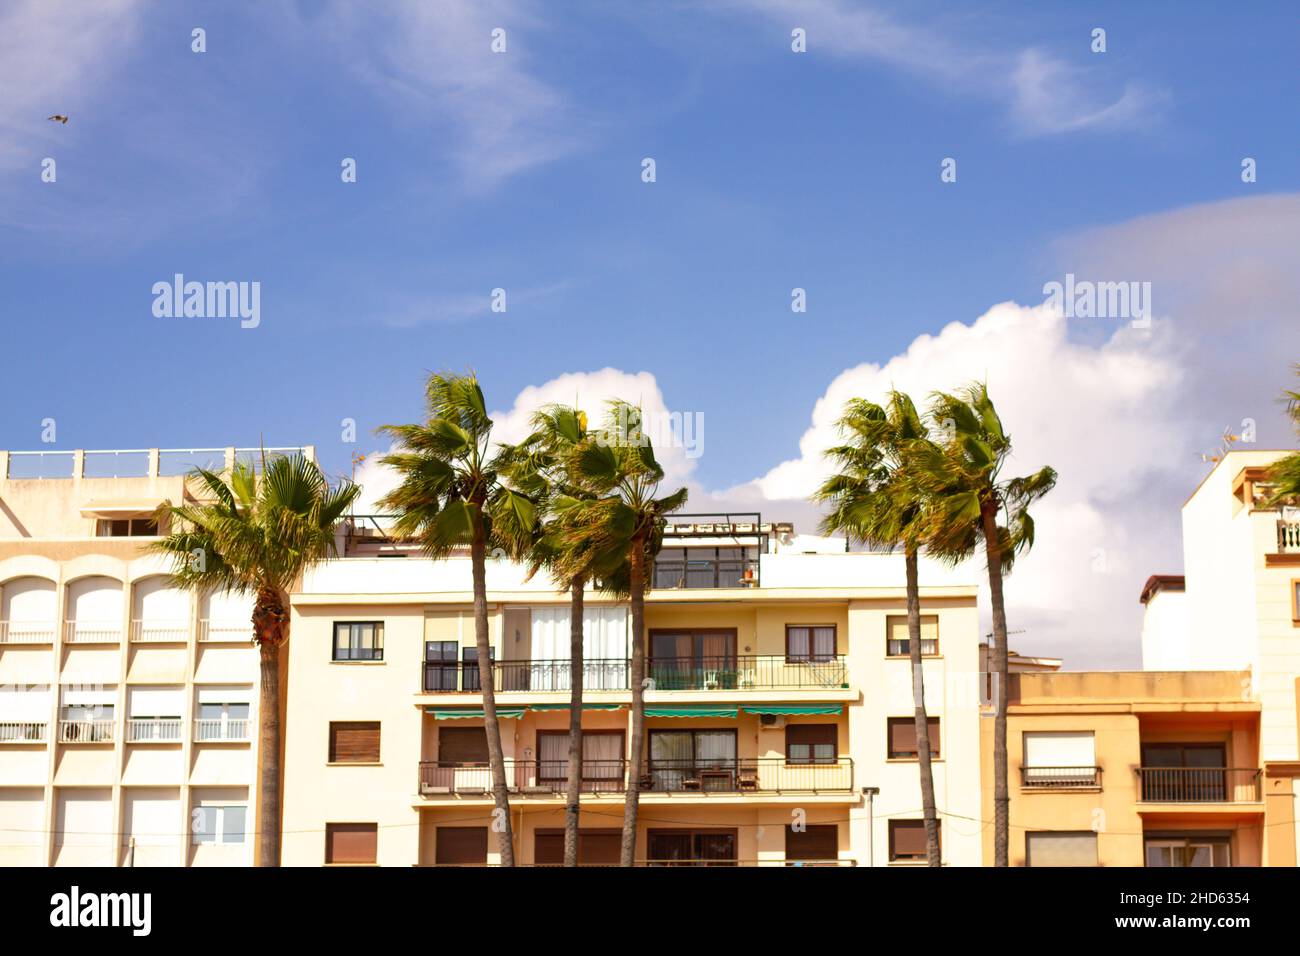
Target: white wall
pixel 1166 643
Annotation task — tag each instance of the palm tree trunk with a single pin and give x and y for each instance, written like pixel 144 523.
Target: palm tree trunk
pixel 922 721
pixel 1001 794
pixel 627 856
pixel 500 792
pixel 575 725
pixel 270 629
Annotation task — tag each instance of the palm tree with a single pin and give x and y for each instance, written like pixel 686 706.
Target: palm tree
pixel 973 502
pixel 620 530
pixel 256 536
pixel 875 500
pixel 1284 475
pixel 541 467
pixel 451 495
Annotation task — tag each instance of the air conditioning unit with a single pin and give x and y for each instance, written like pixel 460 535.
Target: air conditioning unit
pixel 771 721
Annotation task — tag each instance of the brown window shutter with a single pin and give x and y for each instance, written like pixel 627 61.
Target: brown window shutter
pixel 813 843
pixel 902 736
pixel 354 742
pixel 810 734
pixel 548 847
pixel 351 842
pixel 594 846
pixel 462 846
pixel 907 839
pixel 465 745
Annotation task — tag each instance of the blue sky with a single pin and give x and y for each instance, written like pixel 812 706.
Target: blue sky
pixel 522 171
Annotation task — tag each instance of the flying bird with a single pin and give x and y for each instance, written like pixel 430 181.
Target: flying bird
pixel 59 118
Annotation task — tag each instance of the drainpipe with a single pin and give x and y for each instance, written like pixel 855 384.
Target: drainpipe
pixel 870 793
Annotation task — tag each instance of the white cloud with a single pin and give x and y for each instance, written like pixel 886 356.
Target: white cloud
pixel 1044 95
pixel 432 62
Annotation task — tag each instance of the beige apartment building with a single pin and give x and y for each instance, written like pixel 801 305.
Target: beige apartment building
pixel 779 716
pixel 1194 760
pixel 126 705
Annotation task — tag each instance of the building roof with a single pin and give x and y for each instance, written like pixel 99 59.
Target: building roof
pixel 1162 582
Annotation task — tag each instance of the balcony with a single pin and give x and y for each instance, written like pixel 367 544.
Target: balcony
pixel 22 732
pixel 764 775
pixel 159 632
pixel 215 730
pixel 142 730
pixel 92 632
pixel 1060 778
pixel 225 632
pixel 27 632
pixel 667 674
pixel 1200 785
pixel 86 731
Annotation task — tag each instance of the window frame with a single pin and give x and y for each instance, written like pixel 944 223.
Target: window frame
pixel 376 648
pixel 219 829
pixel 332 827
pixel 935 750
pixel 812 657
pixel 1096 847
pixel 812 761
pixel 905 655
pixel 564 776
pixel 333 755
pixel 910 824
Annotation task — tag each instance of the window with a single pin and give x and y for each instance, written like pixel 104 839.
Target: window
pixel 812 843
pixel 219 824
pixel 907 839
pixel 221 720
pixel 693 660
pixel 809 642
pixel 462 746
pixel 602 757
pixel 902 737
pixel 461 846
pixel 358 641
pixel 351 842
pixel 898 644
pixel 693 759
pixel 354 741
pixel 126 528
pixel 1211 849
pixel 440 666
pixel 1184 773
pixel 1061 848
pixel 594 846
pixel 811 743
pixel 1060 760
pixel 470 679
pixel 691 847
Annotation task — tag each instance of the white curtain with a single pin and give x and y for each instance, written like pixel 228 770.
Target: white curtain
pixel 604 648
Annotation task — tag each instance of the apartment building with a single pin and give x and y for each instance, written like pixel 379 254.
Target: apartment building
pixel 126 705
pixel 779 711
pixel 1194 760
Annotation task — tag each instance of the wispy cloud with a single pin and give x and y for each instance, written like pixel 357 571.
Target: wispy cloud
pixel 1043 95
pixel 432 63
pixel 55 56
pixel 443 308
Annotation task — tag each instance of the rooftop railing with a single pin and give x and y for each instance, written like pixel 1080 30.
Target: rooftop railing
pixel 132 462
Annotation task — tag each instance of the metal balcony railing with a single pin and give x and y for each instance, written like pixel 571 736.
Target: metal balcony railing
pixel 86 731
pixel 671 673
pixel 159 632
pixel 232 632
pixel 749 673
pixel 22 732
pixel 1060 778
pixel 27 632
pixel 1199 784
pixel 92 632
pixel 548 777
pixel 153 730
pixel 212 730
pixel 542 675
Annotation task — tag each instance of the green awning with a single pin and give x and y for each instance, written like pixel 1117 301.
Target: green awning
pixel 456 713
pixel 584 706
pixel 796 709
pixel 691 711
